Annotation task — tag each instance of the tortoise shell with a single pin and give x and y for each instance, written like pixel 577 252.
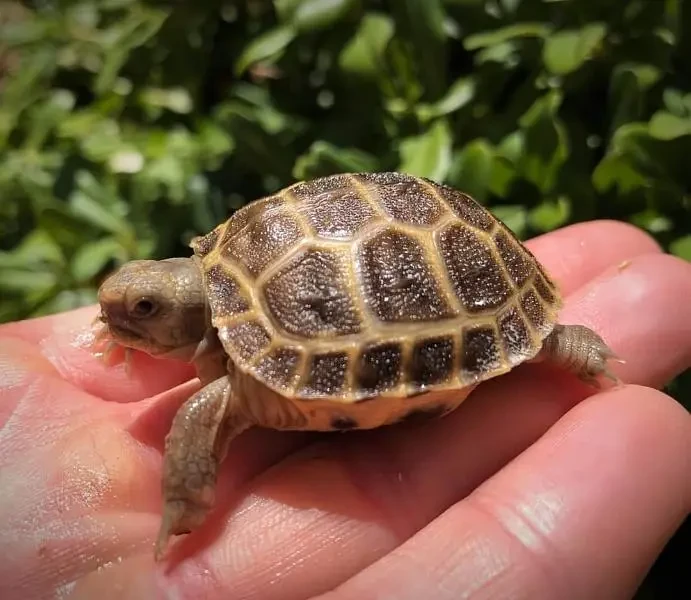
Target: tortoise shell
pixel 373 284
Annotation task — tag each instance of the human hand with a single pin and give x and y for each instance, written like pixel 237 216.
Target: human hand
pixel 529 490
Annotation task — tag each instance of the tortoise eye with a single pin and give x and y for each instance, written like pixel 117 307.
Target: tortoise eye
pixel 144 307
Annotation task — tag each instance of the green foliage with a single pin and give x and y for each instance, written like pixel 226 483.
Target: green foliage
pixel 128 126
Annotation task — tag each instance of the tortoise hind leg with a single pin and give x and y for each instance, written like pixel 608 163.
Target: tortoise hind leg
pixel 197 442
pixel 581 351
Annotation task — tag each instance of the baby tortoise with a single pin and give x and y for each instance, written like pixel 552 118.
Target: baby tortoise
pixel 348 302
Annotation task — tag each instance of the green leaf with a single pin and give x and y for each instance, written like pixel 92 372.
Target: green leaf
pixel 676 102
pixel 37 248
pixel 682 247
pixel 460 94
pixel 651 220
pixel 95 204
pixel 93 212
pixel 615 170
pixel 363 55
pixel 629 85
pixel 566 51
pixel 546 142
pixel 91 258
pixel 271 43
pixel 176 100
pixel 313 15
pixel 285 9
pixel 429 154
pixel 667 126
pixel 67 300
pixel 472 169
pixel 550 214
pixel 514 217
pixel 496 37
pixel 27 281
pixel 421 24
pixel 324 158
pixel 124 36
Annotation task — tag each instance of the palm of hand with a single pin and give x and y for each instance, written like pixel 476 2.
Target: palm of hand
pixel 480 502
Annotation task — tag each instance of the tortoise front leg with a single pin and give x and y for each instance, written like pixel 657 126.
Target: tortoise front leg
pixel 581 351
pixel 196 444
pixel 210 360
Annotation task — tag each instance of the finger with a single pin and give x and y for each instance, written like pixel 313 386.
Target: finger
pixel 358 498
pixel 575 254
pixel 581 514
pixel 617 304
pixel 63 339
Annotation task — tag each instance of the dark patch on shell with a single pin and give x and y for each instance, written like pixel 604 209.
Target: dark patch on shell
pixel 326 374
pixel 397 281
pixel 424 414
pixel 477 279
pixel 379 367
pixel 343 423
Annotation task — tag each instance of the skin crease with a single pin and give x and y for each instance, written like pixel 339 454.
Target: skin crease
pixel 531 489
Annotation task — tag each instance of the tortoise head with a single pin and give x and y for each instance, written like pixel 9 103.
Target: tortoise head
pixel 157 306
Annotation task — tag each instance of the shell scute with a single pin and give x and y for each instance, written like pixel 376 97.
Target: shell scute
pixel 432 361
pixel 227 296
pixel 379 367
pixel 467 209
pixel 398 283
pixel 280 367
pixel 333 207
pixel 404 198
pixel 204 244
pixel 248 338
pixel 480 353
pixel 326 374
pixel 519 264
pixel 534 309
pixel 310 296
pixel 546 291
pixel 354 285
pixel 477 278
pixel 262 240
pixel 515 335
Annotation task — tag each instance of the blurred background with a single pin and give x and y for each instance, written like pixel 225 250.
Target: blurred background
pixel 128 126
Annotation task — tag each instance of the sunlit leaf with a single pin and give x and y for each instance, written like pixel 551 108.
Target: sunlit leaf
pixel 566 51
pixel 428 154
pixel 90 259
pixel 666 126
pixel 267 45
pixel 514 217
pixel 652 221
pixel 460 94
pixel 682 247
pixel 311 15
pixel 37 248
pixel 363 54
pixel 546 142
pixel 550 214
pixel 27 280
pixel 472 169
pixel 615 170
pixel 505 34
pixel 324 158
pixel 421 24
pixel 629 86
pixel 676 102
